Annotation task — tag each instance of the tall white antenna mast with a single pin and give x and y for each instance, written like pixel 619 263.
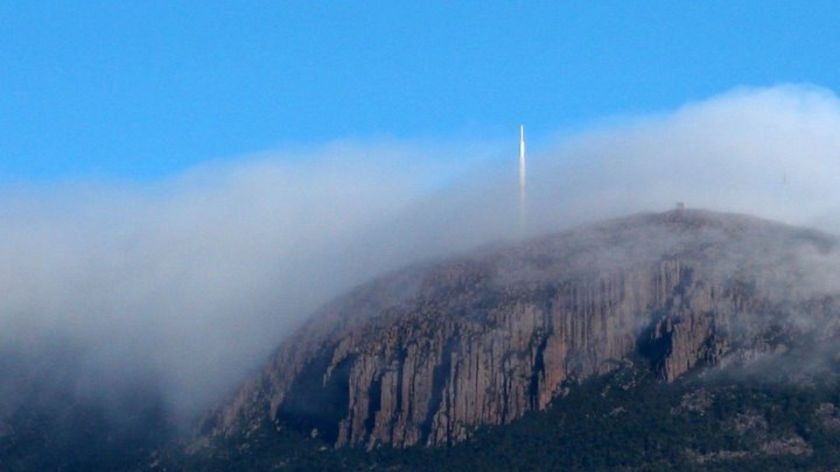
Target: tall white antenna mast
pixel 522 179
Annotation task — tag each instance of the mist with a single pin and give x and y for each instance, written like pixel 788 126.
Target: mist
pixel 187 283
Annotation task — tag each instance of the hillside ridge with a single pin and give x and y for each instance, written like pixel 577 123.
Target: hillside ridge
pixel 426 355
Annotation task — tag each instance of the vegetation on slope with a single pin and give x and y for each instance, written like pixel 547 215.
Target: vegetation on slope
pixel 626 420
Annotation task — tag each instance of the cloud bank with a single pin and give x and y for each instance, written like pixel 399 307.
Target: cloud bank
pixel 192 281
pixel 772 152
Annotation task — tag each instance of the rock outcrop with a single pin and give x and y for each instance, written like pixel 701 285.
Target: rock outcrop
pixel 426 355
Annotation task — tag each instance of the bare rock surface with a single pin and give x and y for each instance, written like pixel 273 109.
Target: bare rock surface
pixel 426 355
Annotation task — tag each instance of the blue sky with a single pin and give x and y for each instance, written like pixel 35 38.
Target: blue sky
pixel 140 90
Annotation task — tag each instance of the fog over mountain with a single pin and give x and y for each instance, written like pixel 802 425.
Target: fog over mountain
pixel 186 284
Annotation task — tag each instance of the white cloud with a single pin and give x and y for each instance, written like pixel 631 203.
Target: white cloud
pixel 196 278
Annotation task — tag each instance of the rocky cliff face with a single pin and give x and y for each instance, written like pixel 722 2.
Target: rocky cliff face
pixel 426 355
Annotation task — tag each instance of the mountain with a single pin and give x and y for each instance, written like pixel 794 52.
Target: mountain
pixel 444 353
pixel 683 340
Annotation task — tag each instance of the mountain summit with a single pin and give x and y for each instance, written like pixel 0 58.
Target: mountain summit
pixel 429 354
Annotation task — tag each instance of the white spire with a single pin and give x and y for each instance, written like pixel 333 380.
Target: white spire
pixel 522 179
pixel 521 158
